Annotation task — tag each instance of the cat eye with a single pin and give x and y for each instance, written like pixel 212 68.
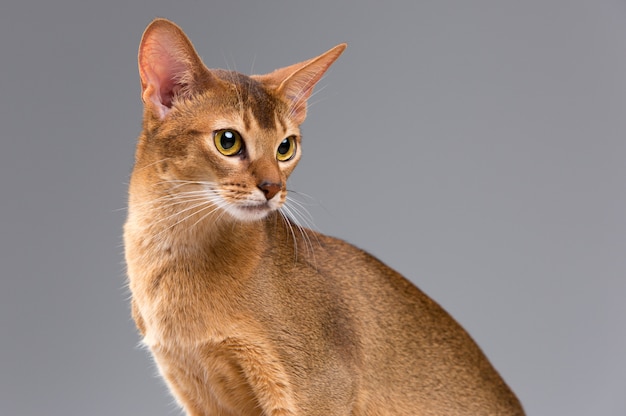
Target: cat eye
pixel 228 142
pixel 286 149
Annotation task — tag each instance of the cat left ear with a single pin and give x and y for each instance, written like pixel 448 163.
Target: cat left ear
pixel 296 82
pixel 168 65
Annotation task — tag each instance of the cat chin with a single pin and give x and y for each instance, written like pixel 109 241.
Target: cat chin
pixel 249 213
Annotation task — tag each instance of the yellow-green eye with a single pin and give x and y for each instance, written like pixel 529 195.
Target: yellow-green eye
pixel 286 149
pixel 228 142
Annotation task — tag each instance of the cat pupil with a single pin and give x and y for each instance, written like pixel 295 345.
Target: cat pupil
pixel 284 147
pixel 228 140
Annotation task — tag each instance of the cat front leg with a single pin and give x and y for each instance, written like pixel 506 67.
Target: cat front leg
pixel 264 375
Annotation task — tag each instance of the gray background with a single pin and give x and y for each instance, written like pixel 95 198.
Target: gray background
pixel 476 146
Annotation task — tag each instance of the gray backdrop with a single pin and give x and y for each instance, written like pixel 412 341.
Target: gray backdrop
pixel 477 146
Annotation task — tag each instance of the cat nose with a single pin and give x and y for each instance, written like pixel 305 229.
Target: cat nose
pixel 269 189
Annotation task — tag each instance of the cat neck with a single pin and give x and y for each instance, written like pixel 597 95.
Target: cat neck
pixel 219 264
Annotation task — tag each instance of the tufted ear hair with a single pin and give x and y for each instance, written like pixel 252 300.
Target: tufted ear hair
pixel 169 67
pixel 295 82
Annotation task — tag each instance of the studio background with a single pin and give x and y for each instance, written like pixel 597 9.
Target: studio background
pixel 478 147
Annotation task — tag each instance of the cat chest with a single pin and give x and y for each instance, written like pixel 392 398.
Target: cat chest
pixel 185 309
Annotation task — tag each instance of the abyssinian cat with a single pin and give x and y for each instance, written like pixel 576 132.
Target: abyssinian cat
pixel 246 312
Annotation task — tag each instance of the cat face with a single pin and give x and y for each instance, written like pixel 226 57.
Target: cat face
pixel 234 145
pixel 214 141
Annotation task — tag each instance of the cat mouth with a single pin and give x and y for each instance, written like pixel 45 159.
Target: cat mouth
pixel 255 207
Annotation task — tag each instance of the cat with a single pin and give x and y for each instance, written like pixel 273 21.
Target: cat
pixel 244 311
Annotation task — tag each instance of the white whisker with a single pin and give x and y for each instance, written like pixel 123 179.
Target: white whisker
pixel 293 214
pixel 204 216
pixel 308 218
pixel 200 203
pixel 304 195
pixel 206 204
pixel 170 200
pixel 285 219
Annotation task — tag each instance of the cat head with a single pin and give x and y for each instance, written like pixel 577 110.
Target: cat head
pixel 222 141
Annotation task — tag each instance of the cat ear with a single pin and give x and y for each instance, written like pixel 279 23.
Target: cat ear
pixel 169 66
pixel 295 83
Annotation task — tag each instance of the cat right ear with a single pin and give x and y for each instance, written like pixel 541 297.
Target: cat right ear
pixel 169 66
pixel 296 82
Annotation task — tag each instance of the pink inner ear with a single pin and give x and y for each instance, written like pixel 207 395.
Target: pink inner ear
pixel 161 71
pixel 163 76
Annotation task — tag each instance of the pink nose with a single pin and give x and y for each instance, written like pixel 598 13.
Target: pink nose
pixel 269 189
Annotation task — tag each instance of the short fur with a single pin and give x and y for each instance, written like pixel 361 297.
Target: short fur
pixel 245 312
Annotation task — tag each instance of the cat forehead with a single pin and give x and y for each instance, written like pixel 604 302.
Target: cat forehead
pixel 252 99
